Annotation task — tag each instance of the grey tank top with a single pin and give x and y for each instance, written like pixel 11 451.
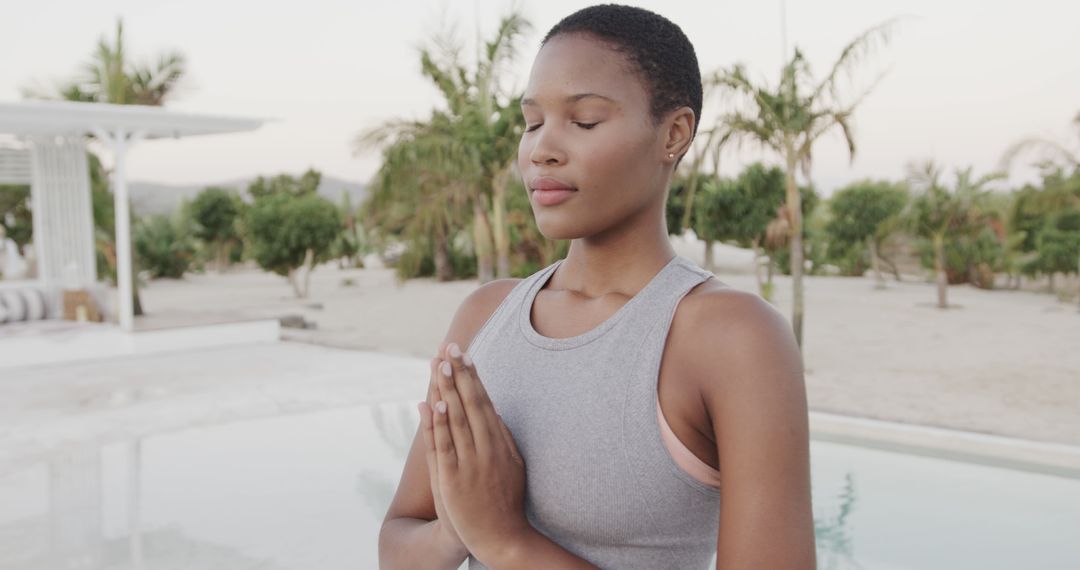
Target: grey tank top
pixel 582 410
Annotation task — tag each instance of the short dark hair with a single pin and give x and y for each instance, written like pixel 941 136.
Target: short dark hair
pixel 661 52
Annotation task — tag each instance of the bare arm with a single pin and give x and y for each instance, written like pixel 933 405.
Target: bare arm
pixel 411 536
pixel 749 370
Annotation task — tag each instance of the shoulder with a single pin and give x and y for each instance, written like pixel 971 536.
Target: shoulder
pixel 729 339
pixel 476 309
pixel 741 354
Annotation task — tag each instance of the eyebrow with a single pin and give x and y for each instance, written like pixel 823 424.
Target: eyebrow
pixel 569 99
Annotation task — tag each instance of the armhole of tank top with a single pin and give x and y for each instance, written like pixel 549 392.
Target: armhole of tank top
pixel 673 465
pixel 481 333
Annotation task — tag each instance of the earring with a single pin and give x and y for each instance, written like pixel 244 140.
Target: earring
pixel 671 155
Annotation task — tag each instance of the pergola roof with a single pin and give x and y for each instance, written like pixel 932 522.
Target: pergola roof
pixel 70 117
pixel 117 127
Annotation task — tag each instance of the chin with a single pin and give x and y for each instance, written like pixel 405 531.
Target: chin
pixel 555 229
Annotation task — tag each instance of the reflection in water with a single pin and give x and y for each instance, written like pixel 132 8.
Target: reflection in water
pixel 311 491
pixel 72 534
pixel 833 537
pixel 75 509
pixel 396 427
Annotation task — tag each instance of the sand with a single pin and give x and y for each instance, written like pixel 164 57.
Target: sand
pixel 998 362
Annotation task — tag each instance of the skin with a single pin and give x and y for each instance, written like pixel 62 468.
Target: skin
pixel 731 380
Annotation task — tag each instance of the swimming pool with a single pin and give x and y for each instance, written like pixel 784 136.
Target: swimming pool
pixel 309 492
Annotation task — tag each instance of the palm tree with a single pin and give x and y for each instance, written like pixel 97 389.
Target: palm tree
pixel 788 119
pixel 422 189
pixel 940 214
pixel 1051 156
pixel 482 122
pixel 1047 150
pixel 109 76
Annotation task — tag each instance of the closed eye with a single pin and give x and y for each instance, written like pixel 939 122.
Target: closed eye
pixel 585 126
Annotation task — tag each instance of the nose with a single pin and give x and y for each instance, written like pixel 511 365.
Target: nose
pixel 546 150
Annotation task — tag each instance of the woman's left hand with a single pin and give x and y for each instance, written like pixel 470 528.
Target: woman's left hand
pixel 481 473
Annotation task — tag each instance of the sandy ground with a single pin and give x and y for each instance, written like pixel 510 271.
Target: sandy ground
pixel 1000 362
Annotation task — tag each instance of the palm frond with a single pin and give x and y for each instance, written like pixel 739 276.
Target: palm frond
pixel 1045 149
pixel 857 50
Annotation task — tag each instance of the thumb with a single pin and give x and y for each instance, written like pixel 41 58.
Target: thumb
pixel 510 441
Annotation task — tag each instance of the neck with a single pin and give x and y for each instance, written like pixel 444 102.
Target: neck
pixel 619 260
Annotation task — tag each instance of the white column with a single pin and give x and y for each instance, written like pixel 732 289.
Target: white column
pixel 120 140
pixel 135 544
pixel 123 231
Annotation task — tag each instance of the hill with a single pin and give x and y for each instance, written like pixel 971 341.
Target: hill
pixel 156 198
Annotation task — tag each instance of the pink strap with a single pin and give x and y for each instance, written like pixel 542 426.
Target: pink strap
pixel 684 457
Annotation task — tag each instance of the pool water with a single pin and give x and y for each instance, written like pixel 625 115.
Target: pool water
pixel 309 492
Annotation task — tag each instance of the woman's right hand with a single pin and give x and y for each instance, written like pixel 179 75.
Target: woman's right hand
pixel 443 523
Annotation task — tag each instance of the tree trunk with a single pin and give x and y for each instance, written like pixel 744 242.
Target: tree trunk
pixel 757 268
pixel 770 268
pixel 1051 288
pixel 443 271
pixel 309 266
pixel 794 210
pixel 482 242
pixel 292 281
pixel 709 265
pixel 892 266
pixel 939 269
pixel 879 278
pixel 501 229
pixel 136 301
pixel 222 256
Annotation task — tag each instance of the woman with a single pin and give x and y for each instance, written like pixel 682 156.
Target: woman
pixel 627 383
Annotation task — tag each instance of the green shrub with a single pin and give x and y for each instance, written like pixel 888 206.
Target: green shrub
pixel 280 228
pixel 163 246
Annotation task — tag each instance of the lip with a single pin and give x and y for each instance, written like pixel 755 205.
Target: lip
pixel 549 183
pixel 549 191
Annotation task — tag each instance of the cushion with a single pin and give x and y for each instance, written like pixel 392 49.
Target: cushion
pixel 16 308
pixel 35 304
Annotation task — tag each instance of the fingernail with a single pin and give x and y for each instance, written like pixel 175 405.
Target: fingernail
pixel 445 368
pixel 455 352
pixel 467 359
pixel 440 406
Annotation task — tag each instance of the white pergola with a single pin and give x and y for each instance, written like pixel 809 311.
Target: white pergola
pixel 54 164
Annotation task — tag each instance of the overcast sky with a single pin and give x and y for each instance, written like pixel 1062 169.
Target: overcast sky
pixel 966 79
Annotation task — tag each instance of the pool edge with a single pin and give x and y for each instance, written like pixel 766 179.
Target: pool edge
pixel 956 445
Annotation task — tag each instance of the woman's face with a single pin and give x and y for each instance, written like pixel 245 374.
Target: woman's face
pixel 588 127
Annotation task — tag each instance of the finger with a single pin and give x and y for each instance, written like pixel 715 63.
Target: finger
pixel 470 367
pixel 435 361
pixel 433 386
pixel 425 427
pixel 478 410
pixel 445 450
pixel 489 405
pixel 429 444
pixel 455 414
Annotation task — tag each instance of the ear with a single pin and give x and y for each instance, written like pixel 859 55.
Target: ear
pixel 679 134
